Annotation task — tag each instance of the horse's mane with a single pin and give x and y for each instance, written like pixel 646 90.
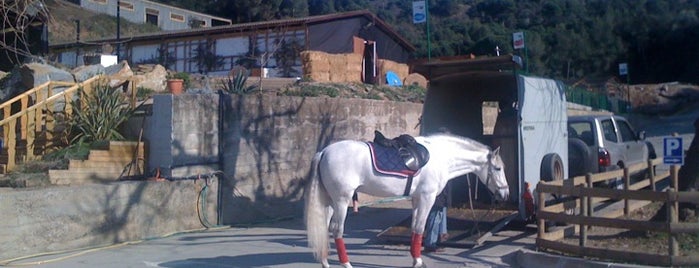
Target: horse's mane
pixel 458 139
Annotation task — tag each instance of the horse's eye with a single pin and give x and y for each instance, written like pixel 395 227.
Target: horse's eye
pixel 498 168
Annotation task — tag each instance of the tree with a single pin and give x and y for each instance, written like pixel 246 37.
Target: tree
pixel 21 35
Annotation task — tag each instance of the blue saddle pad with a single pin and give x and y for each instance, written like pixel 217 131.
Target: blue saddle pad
pixel 386 160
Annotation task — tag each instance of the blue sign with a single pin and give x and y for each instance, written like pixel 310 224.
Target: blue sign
pixel 673 154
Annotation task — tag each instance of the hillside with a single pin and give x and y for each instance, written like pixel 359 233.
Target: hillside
pixel 93 26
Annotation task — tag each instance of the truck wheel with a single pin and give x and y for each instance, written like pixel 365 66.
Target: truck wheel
pixel 551 168
pixel 578 158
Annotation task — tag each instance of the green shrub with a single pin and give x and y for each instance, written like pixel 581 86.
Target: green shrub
pixel 313 91
pixel 236 84
pixel 144 93
pixel 97 115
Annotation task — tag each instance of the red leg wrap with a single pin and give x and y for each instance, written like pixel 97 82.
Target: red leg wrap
pixel 416 245
pixel 341 250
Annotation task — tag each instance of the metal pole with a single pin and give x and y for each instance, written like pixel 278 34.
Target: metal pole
pixel 77 41
pixel 427 20
pixel 118 36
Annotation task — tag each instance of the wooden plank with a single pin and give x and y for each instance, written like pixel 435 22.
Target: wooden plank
pixel 496 228
pixel 605 192
pixel 605 253
pixel 607 222
pixel 684 260
pixel 569 230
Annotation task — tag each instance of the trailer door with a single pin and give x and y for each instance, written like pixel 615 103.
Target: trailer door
pixel 542 127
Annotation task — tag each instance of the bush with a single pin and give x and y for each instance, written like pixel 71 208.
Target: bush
pixel 235 84
pixel 99 115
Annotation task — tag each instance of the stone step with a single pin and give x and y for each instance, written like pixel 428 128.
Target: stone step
pixel 99 155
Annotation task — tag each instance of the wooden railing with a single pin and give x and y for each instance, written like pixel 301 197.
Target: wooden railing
pixel 585 197
pixel 39 118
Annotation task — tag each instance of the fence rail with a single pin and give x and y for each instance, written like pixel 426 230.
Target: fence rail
pixel 30 121
pixel 581 194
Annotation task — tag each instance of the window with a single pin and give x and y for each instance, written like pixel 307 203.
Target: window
pixel 126 5
pixel 104 2
pixel 177 17
pixel 608 129
pixel 152 16
pixel 626 133
pixel 583 131
pixel 196 23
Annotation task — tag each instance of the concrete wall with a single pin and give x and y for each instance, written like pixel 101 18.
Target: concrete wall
pixel 266 143
pixel 67 218
pixel 269 142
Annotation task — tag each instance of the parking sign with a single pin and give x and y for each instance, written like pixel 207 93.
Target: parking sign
pixel 673 154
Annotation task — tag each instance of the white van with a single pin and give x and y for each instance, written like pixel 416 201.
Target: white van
pixel 486 99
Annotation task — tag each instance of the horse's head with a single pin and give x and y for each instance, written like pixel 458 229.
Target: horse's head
pixel 494 174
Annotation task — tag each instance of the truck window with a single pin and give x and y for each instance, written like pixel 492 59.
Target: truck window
pixel 626 133
pixel 583 131
pixel 608 131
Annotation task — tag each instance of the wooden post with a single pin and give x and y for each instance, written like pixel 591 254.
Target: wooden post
pixel 583 213
pixel 24 102
pixel 626 187
pixel 541 202
pixel 588 180
pixel 651 173
pixel 674 176
pixel 672 217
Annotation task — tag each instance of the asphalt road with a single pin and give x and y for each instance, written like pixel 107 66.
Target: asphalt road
pixel 283 244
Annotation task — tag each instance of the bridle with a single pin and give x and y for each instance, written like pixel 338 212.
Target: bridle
pixel 489 174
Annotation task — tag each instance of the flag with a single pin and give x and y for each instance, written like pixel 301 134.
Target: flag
pixel 518 40
pixel 419 12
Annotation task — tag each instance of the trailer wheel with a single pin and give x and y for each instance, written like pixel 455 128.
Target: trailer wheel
pixel 551 168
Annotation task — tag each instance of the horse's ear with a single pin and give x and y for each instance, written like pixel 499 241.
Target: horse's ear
pixel 496 151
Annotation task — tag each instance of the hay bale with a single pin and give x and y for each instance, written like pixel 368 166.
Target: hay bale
pixel 415 79
pixel 319 76
pixel 338 77
pixel 399 69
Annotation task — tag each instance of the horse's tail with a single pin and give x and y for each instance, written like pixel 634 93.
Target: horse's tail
pixel 316 212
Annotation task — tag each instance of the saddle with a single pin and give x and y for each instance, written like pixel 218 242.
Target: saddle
pixel 413 154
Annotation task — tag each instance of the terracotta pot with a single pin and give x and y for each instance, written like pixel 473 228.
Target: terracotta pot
pixel 176 86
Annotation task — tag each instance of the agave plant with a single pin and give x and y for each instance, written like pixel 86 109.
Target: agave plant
pixel 235 84
pixel 98 114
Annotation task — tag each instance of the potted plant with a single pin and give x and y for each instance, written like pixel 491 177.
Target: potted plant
pixel 177 82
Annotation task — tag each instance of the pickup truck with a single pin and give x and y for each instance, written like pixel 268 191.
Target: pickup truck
pixel 600 143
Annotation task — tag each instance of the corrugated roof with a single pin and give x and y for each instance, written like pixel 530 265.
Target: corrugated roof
pixel 252 26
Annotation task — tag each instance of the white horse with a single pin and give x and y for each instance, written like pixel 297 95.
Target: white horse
pixel 342 167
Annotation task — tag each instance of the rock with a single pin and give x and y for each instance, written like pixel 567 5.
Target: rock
pixel 155 79
pixel 83 73
pixel 34 74
pixel 11 85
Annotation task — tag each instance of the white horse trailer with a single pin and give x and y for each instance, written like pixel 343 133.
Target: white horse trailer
pixel 486 99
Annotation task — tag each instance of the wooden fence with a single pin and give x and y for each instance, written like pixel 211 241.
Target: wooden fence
pixel 31 122
pixel 582 195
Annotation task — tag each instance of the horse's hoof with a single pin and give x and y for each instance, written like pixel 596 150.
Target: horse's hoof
pixel 417 263
pixel 346 265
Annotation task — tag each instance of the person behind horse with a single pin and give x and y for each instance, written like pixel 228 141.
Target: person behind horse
pixel 436 229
